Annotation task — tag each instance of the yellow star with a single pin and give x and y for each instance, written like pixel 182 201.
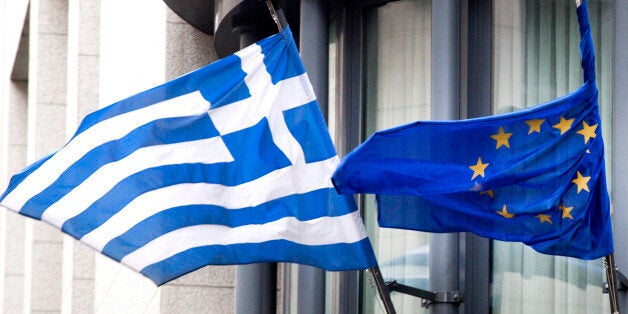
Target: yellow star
pixel 478 169
pixel 501 138
pixel 588 131
pixel 504 213
pixel 566 211
pixel 545 218
pixel 581 182
pixel 563 125
pixel 489 192
pixel 535 125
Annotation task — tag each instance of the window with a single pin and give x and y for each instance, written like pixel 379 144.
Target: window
pixel 397 91
pixel 536 58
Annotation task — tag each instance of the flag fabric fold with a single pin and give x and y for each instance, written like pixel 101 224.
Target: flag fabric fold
pixel 229 164
pixel 535 176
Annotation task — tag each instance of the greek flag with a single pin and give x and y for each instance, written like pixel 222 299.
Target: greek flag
pixel 229 164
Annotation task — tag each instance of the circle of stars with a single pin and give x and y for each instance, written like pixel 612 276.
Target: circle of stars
pixel 502 139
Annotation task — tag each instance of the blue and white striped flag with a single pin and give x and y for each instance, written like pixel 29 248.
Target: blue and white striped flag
pixel 229 164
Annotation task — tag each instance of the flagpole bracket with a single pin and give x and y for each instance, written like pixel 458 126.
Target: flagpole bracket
pixel 428 297
pixel 622 282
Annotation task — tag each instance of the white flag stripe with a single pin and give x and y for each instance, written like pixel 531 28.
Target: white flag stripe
pixel 264 92
pixel 290 93
pixel 279 183
pixel 319 231
pixel 108 130
pixel 205 151
pixel 283 138
pixel 257 78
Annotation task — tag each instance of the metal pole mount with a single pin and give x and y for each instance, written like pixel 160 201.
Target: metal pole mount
pixel 428 297
pixel 615 281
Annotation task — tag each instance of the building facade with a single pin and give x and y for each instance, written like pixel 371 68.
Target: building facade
pixel 374 64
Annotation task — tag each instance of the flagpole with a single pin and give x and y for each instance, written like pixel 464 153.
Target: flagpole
pixel 382 289
pixel 273 13
pixel 609 264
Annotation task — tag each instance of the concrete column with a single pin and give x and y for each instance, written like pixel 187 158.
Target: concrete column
pixel 13 121
pixel 313 45
pixel 12 233
pixel 82 98
pixel 210 289
pixel 46 133
pixel 131 59
pixel 444 248
pixel 14 224
pixel 256 288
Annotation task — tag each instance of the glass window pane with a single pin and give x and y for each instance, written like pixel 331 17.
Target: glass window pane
pixel 397 90
pixel 536 58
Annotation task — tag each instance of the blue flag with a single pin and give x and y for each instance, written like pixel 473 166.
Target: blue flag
pixel 535 176
pixel 230 164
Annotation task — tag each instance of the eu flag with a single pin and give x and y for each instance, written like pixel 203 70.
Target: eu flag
pixel 536 176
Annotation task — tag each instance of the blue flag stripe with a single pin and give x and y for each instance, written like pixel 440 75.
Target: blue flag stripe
pixel 315 204
pixel 278 61
pixel 320 231
pixel 18 178
pixel 222 76
pixel 307 126
pixel 283 251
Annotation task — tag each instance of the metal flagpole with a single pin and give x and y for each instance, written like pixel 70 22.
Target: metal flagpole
pixel 609 264
pixel 274 15
pixel 382 289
